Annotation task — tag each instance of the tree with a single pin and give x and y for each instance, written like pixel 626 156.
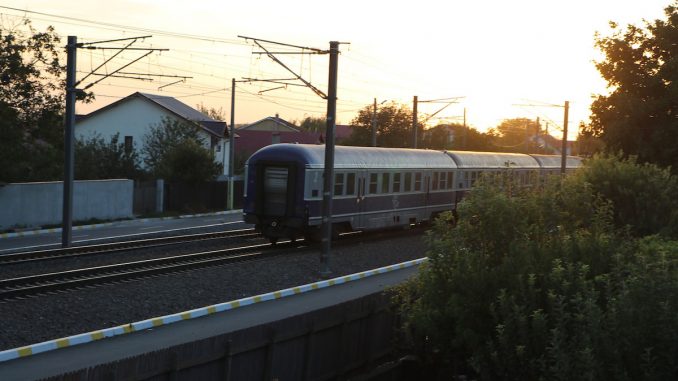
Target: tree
pixel 174 150
pixel 216 114
pixel 570 280
pixel 640 114
pixel 189 162
pixel 313 124
pixel 394 126
pixel 163 137
pixel 517 135
pixel 98 159
pixel 31 93
pixel 32 89
pixel 457 137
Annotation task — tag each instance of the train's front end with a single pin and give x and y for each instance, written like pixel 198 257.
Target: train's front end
pixel 274 191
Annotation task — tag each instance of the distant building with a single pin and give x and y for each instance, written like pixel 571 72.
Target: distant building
pixel 273 130
pixel 133 116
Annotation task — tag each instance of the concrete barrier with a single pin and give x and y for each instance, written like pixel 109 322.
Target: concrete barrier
pixel 39 204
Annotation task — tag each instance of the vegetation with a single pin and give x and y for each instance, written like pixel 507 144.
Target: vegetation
pixel 394 127
pixel 640 115
pixel 32 88
pixel 174 150
pixel 555 282
pixel 519 135
pixel 313 124
pixel 457 137
pixel 97 159
pixel 188 162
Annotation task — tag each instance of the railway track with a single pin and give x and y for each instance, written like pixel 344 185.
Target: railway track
pixel 40 284
pixel 66 280
pixel 81 251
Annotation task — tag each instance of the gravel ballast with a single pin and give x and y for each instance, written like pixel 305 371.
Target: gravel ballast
pixel 48 317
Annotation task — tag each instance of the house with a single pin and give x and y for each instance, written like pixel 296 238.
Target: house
pixel 132 118
pixel 272 130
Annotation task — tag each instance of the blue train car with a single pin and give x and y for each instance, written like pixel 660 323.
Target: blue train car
pixel 374 188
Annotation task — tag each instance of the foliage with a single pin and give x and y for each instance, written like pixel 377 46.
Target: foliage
pixel 313 124
pixel 539 284
pixel 164 137
pixel 457 137
pixel 214 113
pixel 394 127
pixel 640 115
pixel 188 162
pixel 97 159
pixel 31 97
pixel 642 195
pixel 32 79
pixel 518 135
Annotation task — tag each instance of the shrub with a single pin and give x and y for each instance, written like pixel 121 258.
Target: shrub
pixel 549 283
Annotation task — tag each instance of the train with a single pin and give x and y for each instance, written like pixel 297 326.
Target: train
pixel 374 188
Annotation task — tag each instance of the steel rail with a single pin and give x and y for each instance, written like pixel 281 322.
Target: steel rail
pixel 111 247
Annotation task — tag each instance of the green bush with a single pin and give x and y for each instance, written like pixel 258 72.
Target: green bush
pixel 549 283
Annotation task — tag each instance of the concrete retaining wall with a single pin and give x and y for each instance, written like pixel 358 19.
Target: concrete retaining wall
pixel 39 204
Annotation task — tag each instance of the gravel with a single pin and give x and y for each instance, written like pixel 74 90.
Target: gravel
pixel 48 317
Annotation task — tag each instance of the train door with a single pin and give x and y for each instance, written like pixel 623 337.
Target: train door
pixel 426 188
pixel 275 191
pixel 360 220
pixel 276 197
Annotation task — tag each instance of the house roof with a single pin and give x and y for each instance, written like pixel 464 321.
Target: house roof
pixel 174 106
pixel 279 122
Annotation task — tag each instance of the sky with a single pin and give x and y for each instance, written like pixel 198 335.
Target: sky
pixel 497 59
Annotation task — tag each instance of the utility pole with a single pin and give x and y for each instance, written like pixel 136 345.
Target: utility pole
pixel 374 123
pixel 231 148
pixel 465 130
pixel 536 138
pixel 414 122
pixel 563 159
pixel 69 122
pixel 328 174
pixel 69 155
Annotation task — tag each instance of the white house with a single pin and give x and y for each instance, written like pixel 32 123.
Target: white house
pixel 133 116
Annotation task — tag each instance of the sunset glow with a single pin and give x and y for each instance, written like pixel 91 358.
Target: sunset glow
pixel 506 59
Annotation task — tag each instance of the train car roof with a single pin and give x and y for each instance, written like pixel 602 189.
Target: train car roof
pixel 468 160
pixel 313 155
pixel 554 161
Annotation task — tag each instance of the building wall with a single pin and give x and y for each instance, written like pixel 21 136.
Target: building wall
pixel 135 117
pixel 39 204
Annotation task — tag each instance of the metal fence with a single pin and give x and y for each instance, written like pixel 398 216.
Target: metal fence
pixel 333 343
pixel 185 198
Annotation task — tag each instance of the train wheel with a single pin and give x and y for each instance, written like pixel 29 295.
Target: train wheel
pixel 273 240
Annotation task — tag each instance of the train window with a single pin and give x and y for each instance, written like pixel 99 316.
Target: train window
pixel 350 184
pixel 450 180
pixel 339 184
pixel 385 182
pixel 442 181
pixel 408 182
pixel 396 182
pixel 373 183
pixel 434 185
pixel 417 182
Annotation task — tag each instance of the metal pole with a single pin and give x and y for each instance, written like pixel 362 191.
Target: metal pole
pixel 328 174
pixel 231 148
pixel 374 123
pixel 563 158
pixel 414 122
pixel 69 156
pixel 465 128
